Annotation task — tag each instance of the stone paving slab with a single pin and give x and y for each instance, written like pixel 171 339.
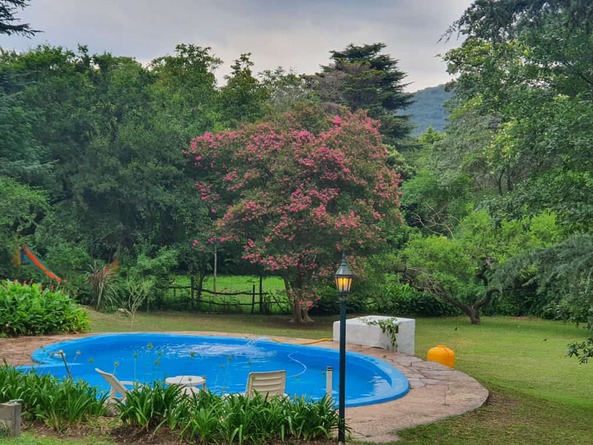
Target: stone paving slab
pixel 436 391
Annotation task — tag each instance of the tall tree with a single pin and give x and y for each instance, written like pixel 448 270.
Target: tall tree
pixel 243 96
pixel 20 207
pixel 185 88
pixel 525 67
pixel 360 77
pixel 286 89
pixel 9 23
pixel 296 191
pixel 459 269
pixel 21 156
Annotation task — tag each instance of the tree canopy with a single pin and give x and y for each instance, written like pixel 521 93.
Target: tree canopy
pixel 296 191
pixel 360 77
pixel 9 22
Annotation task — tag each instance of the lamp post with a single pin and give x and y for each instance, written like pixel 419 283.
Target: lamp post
pixel 343 277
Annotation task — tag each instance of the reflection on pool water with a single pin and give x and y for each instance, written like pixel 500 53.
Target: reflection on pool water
pixel 224 361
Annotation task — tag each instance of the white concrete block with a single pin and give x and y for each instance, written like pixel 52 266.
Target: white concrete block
pixel 362 331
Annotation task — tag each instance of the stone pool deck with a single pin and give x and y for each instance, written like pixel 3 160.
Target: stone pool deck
pixel 437 392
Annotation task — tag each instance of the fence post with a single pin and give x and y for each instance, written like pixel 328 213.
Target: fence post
pixel 261 295
pixel 193 290
pixel 252 298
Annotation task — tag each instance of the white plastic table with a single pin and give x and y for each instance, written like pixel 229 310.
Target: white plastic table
pixel 187 381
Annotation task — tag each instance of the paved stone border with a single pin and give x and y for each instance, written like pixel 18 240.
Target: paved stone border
pixel 437 392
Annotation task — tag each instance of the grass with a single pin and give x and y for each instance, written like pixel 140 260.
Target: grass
pixel 235 283
pixel 272 288
pixel 231 283
pixel 234 323
pixel 538 394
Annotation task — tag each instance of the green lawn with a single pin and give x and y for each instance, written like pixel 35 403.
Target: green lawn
pixel 538 395
pixel 235 283
pixel 179 295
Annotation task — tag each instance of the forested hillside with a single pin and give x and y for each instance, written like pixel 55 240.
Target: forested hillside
pixel 427 109
pixel 121 175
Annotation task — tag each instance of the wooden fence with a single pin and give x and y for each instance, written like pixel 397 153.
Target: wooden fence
pixel 203 300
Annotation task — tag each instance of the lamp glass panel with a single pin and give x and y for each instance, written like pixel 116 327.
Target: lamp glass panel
pixel 343 283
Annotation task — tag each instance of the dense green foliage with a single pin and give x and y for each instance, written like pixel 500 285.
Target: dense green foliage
pixel 208 418
pixel 32 310
pixel 93 172
pixel 516 147
pixel 201 418
pixel 60 404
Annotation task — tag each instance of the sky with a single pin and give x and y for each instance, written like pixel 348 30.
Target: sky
pixel 293 34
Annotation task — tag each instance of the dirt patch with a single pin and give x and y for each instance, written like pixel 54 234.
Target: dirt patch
pixel 17 351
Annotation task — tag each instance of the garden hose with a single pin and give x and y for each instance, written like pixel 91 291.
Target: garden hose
pixel 305 343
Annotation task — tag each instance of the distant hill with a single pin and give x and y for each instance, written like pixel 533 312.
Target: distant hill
pixel 427 109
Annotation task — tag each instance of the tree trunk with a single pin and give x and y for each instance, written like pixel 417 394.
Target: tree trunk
pixel 474 315
pixel 295 310
pixel 297 314
pixel 435 288
pixel 306 317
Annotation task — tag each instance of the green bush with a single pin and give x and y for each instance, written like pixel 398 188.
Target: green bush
pixel 32 310
pixel 201 418
pixel 60 404
pixel 402 300
pixel 208 418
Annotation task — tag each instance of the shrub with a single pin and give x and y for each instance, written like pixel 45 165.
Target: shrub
pixel 149 407
pixel 208 418
pixel 31 310
pixel 402 300
pixel 200 418
pixel 60 404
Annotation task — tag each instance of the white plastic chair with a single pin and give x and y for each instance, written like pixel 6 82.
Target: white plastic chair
pixel 271 383
pixel 117 386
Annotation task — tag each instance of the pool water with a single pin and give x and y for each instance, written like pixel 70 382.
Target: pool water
pixel 224 361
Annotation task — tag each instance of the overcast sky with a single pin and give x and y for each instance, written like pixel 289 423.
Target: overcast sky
pixel 294 34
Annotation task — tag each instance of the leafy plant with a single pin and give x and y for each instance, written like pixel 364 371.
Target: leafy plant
pixel 581 350
pixel 138 292
pixel 60 404
pixel 207 418
pixel 389 326
pixel 100 278
pixel 34 310
pixel 149 407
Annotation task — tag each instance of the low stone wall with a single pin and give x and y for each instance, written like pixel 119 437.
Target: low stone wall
pixel 365 331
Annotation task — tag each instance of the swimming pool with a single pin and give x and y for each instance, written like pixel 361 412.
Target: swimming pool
pixel 224 361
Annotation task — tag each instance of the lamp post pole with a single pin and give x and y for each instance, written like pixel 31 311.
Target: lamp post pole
pixel 343 279
pixel 342 383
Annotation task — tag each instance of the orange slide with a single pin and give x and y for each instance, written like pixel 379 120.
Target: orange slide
pixel 34 260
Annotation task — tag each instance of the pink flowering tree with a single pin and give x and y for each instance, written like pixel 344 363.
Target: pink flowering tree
pixel 297 191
